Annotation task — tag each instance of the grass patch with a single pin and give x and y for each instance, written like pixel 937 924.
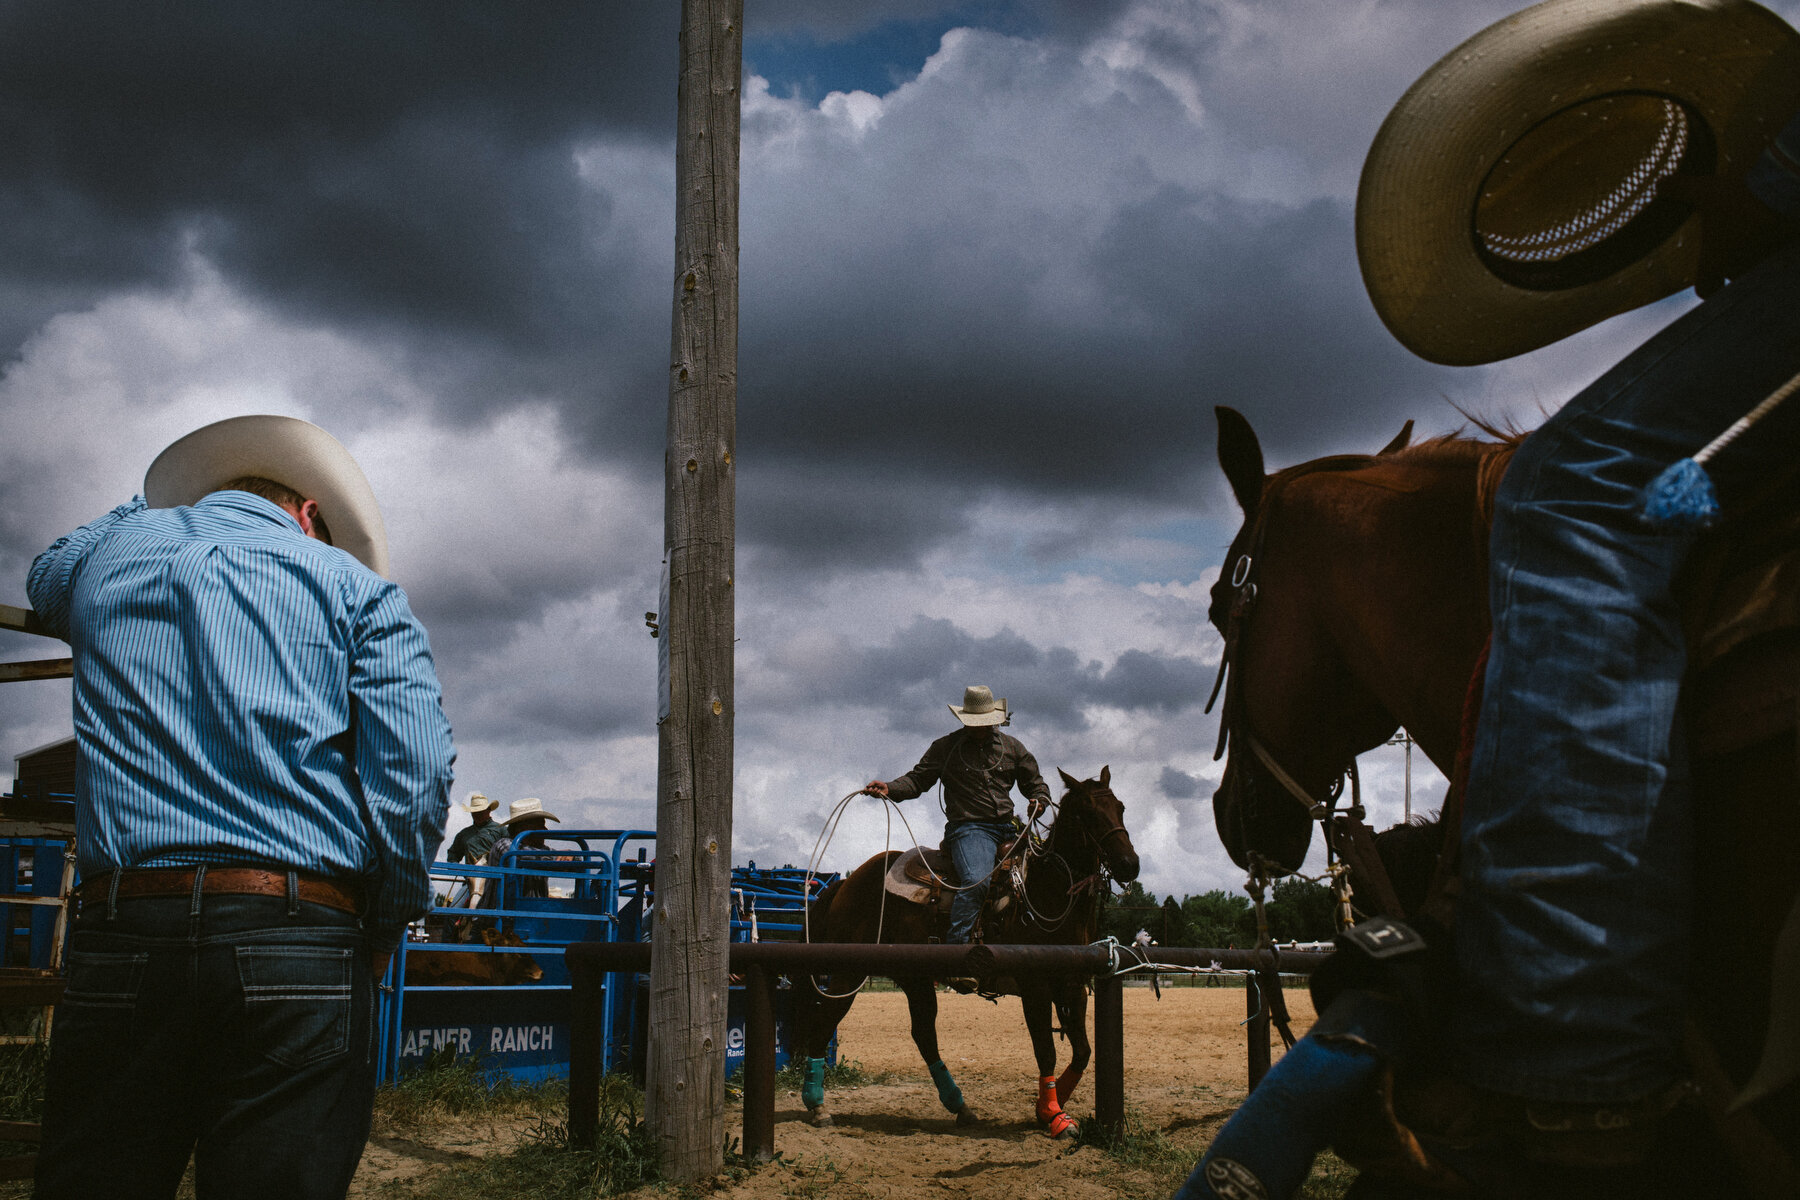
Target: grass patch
pixel 447 1086
pixel 844 1073
pixel 1139 1146
pixel 23 1069
pixel 1331 1177
pixel 817 1179
pixel 546 1166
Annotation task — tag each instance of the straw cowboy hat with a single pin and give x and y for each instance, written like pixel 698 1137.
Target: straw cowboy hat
pixel 529 807
pixel 1512 196
pixel 980 708
pixel 289 451
pixel 478 803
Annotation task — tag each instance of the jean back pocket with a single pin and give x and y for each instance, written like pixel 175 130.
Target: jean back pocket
pixel 297 1001
pixel 104 978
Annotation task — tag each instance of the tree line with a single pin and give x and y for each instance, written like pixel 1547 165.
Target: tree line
pixel 1299 910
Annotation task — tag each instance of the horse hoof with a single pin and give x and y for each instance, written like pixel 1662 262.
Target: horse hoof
pixel 966 1116
pixel 819 1118
pixel 1061 1125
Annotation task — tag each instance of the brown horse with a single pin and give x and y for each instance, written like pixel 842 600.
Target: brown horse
pixel 1064 878
pixel 1367 612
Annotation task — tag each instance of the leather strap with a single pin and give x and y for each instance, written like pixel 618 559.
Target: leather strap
pixel 167 882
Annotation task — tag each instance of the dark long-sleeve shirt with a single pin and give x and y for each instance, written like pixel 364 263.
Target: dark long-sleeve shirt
pixel 978 775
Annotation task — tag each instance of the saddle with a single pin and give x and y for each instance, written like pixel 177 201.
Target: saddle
pixel 920 875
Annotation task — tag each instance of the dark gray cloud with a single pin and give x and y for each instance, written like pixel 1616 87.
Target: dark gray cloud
pixel 911 675
pixel 1208 300
pixel 409 167
pixel 413 173
pixel 1177 784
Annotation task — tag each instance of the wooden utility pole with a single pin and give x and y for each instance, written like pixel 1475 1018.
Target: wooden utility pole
pixel 691 932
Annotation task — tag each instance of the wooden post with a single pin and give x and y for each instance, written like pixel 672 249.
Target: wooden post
pixel 1109 1054
pixel 585 1052
pixel 685 1082
pixel 759 1063
pixel 1256 1026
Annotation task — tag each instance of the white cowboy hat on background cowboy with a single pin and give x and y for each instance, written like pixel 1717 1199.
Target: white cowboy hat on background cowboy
pixel 289 451
pixel 477 802
pixel 1512 196
pixel 980 708
pixel 531 806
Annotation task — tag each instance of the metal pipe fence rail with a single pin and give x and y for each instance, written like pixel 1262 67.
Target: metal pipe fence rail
pixel 763 963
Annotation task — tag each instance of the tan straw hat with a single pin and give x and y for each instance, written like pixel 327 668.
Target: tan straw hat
pixel 529 807
pixel 289 451
pixel 980 708
pixel 478 803
pixel 1511 197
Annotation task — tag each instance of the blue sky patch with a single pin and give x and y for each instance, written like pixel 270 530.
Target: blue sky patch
pixel 877 60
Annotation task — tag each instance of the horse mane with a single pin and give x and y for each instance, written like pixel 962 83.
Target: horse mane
pixel 1488 456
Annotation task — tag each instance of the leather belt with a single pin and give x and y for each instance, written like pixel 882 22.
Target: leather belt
pixel 220 881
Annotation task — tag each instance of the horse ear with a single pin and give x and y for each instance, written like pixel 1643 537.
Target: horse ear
pixel 1069 781
pixel 1400 442
pixel 1106 776
pixel 1240 454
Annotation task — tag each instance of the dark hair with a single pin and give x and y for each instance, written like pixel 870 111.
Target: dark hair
pixel 276 493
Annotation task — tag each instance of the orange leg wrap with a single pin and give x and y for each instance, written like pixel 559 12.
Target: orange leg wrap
pixel 1066 1084
pixel 1049 1109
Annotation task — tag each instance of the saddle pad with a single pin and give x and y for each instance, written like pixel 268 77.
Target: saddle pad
pixel 908 878
pixel 1744 655
pixel 1760 598
pixel 1744 697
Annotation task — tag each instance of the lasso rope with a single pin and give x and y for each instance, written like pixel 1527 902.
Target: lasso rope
pixel 823 842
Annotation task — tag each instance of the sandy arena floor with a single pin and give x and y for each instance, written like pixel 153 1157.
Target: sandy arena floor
pixel 1184 1074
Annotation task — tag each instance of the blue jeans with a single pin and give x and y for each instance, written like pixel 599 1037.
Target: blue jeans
pixel 233 1030
pixel 1574 921
pixel 973 847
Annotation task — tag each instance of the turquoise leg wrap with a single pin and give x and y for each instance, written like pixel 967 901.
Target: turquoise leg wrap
pixel 948 1093
pixel 812 1083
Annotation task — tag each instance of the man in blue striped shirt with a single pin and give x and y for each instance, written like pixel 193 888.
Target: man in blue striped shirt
pixel 262 787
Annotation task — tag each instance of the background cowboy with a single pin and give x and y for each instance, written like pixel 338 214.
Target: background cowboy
pixel 471 845
pixel 1532 183
pixel 978 766
pixel 264 768
pixel 526 823
pixel 472 842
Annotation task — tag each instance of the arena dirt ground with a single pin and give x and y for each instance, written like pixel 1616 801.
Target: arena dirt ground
pixel 1184 1074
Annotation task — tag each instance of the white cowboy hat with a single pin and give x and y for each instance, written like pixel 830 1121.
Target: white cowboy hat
pixel 1511 197
pixel 478 803
pixel 289 451
pixel 529 807
pixel 980 708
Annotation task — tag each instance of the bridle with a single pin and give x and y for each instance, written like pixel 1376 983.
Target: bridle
pixel 1234 723
pixel 1096 883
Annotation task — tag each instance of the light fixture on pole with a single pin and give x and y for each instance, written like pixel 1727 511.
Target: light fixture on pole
pixel 1404 738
